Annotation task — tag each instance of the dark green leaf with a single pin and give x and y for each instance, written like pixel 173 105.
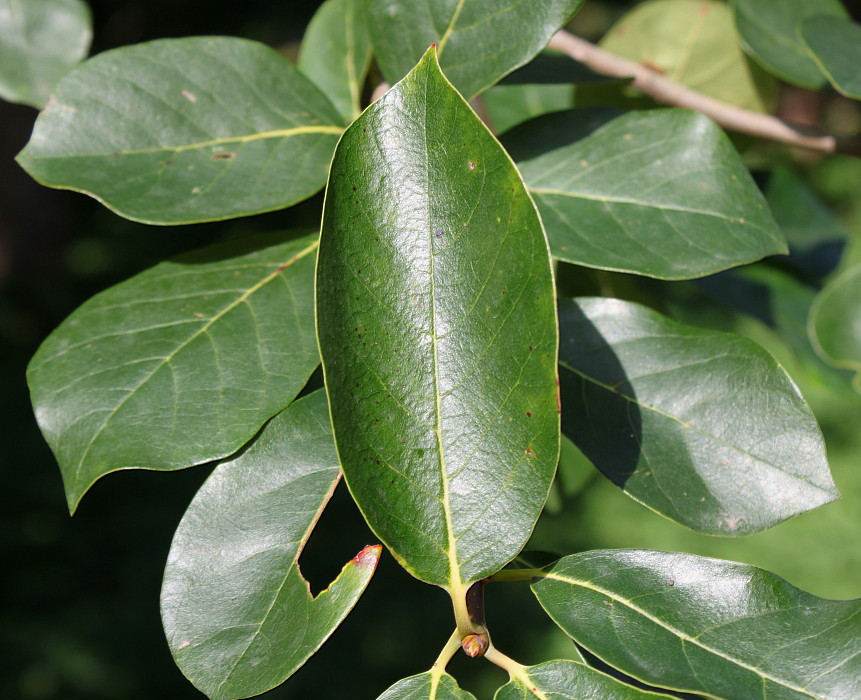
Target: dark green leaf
pixel 186 130
pixel 479 41
pixel 701 426
pixel 40 40
pixel 336 53
pixel 552 68
pixel 179 365
pixel 238 615
pixel 427 686
pixel 835 322
pixel 660 193
pixel 835 45
pixel 695 43
pixel 569 680
pixel 510 105
pixel 708 626
pixel 769 29
pixel 438 334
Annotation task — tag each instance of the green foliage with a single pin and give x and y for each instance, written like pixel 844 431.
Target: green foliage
pixel 447 359
pixel 40 40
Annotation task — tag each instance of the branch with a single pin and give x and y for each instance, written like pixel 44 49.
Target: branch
pixel 666 91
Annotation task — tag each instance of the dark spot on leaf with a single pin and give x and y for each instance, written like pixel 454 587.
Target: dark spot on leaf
pixel 528 414
pixel 671 582
pixel 223 156
pixel 531 348
pixel 354 189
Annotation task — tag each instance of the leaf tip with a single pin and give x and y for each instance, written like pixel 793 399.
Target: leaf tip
pixel 369 556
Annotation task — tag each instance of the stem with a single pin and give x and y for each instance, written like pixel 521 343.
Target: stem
pixel 664 90
pixel 516 672
pixel 517 575
pixel 449 650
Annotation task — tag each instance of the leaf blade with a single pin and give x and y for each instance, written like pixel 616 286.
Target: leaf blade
pixel 152 132
pixel 427 686
pixel 833 44
pixel 833 324
pixel 173 368
pixel 336 54
pixel 703 427
pixel 405 318
pixel 39 42
pixel 734 618
pixel 476 43
pixel 699 213
pixel 233 561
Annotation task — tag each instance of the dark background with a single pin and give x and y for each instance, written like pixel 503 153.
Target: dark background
pixel 79 615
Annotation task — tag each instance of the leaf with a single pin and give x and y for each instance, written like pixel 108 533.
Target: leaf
pixel 427 686
pixel 40 40
pixel 336 54
pixel 695 43
pixel 478 41
pixel 770 33
pixel 707 626
pixel 701 426
pixel 438 334
pixel 186 130
pixel 659 193
pixel 835 322
pixel 179 365
pixel 815 236
pixel 510 105
pixel 238 615
pixel 835 46
pixel 569 680
pixel 554 68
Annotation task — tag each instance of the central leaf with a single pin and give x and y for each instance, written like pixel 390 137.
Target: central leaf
pixel 438 333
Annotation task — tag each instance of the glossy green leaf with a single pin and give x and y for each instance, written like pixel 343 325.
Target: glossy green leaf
pixel 835 322
pixel 660 193
pixel 438 334
pixel 769 29
pixel 40 40
pixel 427 686
pixel 238 615
pixel 179 365
pixel 707 626
pixel 569 680
pixel 336 54
pixel 701 426
pixel 479 41
pixel 695 43
pixel 835 45
pixel 184 130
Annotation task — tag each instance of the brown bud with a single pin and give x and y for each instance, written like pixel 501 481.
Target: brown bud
pixel 475 645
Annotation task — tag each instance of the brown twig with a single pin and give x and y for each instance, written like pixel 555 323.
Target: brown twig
pixel 666 91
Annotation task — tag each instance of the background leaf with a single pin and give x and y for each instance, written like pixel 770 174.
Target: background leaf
pixel 238 615
pixel 179 365
pixel 660 193
pixel 426 686
pixel 186 130
pixel 570 680
pixel 835 322
pixel 438 334
pixel 770 33
pixel 707 626
pixel 835 45
pixel 703 427
pixel 40 40
pixel 510 105
pixel 695 43
pixel 336 53
pixel 479 41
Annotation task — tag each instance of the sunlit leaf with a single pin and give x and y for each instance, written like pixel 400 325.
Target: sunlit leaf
pixel 186 130
pixel 179 365
pixel 40 40
pixel 703 427
pixel 336 53
pixel 725 630
pixel 479 41
pixel 238 615
pixel 438 335
pixel 660 193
